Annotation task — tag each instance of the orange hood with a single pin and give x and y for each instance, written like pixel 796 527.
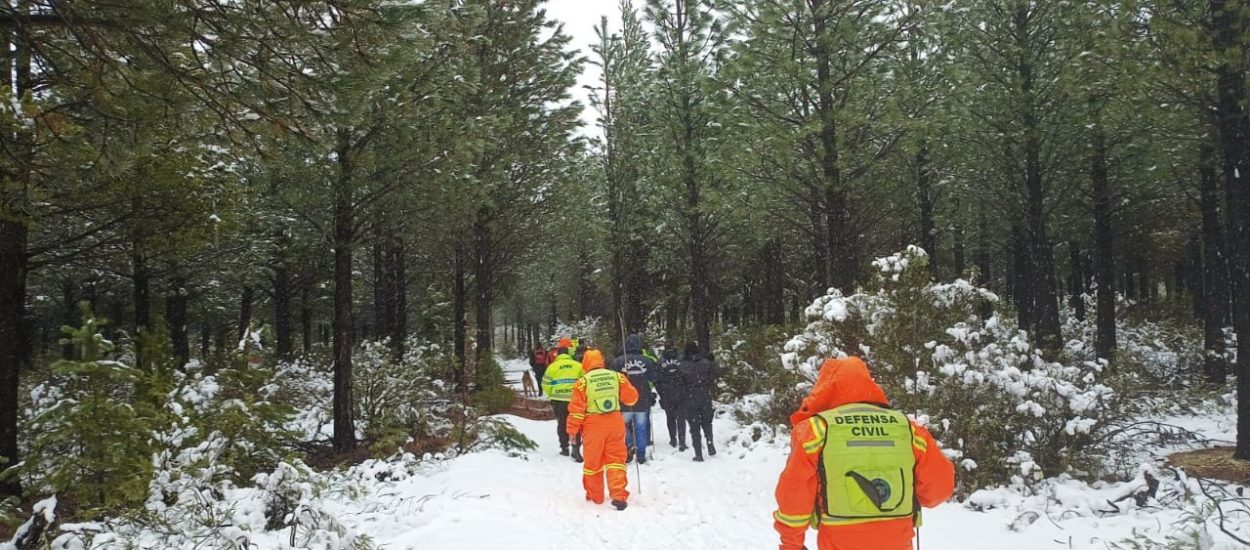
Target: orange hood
pixel 841 382
pixel 593 359
pixel 565 343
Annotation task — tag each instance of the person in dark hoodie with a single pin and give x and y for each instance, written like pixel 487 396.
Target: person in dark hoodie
pixel 641 371
pixel 672 389
pixel 700 376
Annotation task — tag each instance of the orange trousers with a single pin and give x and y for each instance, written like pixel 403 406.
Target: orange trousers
pixel 603 448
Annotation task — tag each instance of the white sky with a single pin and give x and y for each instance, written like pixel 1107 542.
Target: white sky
pixel 579 18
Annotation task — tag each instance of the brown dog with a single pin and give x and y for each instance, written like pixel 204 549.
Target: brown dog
pixel 527 383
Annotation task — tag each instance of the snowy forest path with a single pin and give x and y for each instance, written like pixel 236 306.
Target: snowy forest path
pixel 534 501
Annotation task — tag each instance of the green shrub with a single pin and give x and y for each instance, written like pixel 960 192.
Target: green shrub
pixel 491 396
pixel 92 442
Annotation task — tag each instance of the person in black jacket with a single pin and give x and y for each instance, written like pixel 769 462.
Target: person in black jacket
pixel 699 375
pixel 672 389
pixel 641 371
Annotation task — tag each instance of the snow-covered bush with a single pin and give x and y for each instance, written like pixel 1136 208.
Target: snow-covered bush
pixel 750 365
pixel 398 398
pixel 589 328
pixel 1001 410
pixel 91 436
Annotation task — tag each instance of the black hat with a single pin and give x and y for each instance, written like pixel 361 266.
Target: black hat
pixel 692 348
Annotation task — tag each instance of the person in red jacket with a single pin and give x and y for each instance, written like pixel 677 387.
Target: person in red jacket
pixel 595 413
pixel 858 470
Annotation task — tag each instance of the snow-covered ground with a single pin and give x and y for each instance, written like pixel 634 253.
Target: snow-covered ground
pixel 535 502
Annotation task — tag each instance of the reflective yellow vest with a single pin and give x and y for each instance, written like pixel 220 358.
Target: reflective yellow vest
pixel 559 378
pixel 603 391
pixel 867 465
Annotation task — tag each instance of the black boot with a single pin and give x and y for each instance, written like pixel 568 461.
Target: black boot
pixel 698 457
pixel 672 442
pixel 682 447
pixel 629 455
pixel 620 504
pixel 577 454
pixel 711 449
pixel 564 451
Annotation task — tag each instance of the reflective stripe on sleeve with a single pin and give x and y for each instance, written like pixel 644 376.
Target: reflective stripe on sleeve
pixel 791 520
pixel 817 441
pixel 919 443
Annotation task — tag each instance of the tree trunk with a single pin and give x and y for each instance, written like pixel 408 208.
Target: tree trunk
pixel 306 316
pixel 1104 248
pixel 636 286
pixel 484 277
pixel 1215 291
pixel 397 261
pixel 13 265
pixel 344 438
pixel 282 322
pixel 245 312
pixel 838 258
pixel 1040 271
pixel 69 314
pixel 1231 24
pixel 818 261
pixel 1076 281
pixel 176 320
pixel 460 306
pixel 925 200
pixel 960 244
pixel 206 341
pixel 142 279
pixel 381 317
pixel 14 237
pixel 1019 278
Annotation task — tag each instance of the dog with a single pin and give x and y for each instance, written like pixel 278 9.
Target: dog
pixel 527 383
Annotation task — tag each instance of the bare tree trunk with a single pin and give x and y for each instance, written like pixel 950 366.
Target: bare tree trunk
pixel 176 320
pixel 206 341
pixel 142 287
pixel 381 318
pixel 282 322
pixel 1230 27
pixel 245 312
pixel 960 245
pixel 484 286
pixel 1076 280
pixel 1020 272
pixel 925 198
pixel 1104 249
pixel 306 316
pixel 13 242
pixel 69 314
pixel 14 237
pixel 460 306
pixel 1215 291
pixel 344 437
pixel 1040 272
pixel 397 291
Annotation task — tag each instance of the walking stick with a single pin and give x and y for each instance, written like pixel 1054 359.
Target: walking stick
pixel 637 467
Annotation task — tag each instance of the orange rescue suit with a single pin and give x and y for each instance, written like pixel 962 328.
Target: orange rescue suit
pixel 842 382
pixel 603 435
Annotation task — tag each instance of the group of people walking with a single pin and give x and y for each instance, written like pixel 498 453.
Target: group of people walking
pixel 603 419
pixel 859 471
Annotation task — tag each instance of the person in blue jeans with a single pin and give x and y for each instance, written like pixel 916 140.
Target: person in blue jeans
pixel 642 371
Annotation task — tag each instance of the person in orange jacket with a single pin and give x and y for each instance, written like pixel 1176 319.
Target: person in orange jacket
pixel 595 414
pixel 881 467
